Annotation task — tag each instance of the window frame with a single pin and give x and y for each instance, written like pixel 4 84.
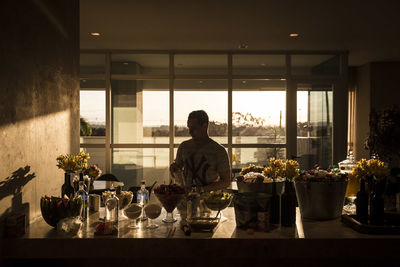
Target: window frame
pixel 339 96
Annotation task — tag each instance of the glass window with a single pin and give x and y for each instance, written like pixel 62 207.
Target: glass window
pixel 131 165
pixel 259 64
pixel 92 63
pixel 93 116
pixel 201 64
pixel 258 111
pixel 156 64
pixel 140 111
pixel 242 157
pixel 315 64
pixel 207 97
pixel 314 125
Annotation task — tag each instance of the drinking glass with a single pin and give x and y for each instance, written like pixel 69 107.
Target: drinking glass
pixel 353 186
pixel 133 212
pixel 152 212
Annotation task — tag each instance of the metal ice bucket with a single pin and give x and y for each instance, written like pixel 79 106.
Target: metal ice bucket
pixel 320 200
pixel 260 187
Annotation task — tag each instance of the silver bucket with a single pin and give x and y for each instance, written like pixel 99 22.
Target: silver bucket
pixel 260 187
pixel 320 200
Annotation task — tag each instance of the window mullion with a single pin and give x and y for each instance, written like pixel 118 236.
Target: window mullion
pixel 108 112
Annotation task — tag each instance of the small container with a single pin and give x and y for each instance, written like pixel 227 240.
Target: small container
pixel 263 224
pixel 94 202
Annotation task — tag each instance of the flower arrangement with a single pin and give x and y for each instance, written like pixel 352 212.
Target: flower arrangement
pixel 70 163
pixel 373 168
pixel 320 175
pixel 277 171
pixel 93 171
pixel 252 168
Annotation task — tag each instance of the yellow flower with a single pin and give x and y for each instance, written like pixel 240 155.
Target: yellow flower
pixel 372 167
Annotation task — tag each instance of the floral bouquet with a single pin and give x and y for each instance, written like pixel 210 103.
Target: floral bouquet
pixel 93 171
pixel 371 169
pixel 320 175
pixel 276 171
pixel 70 163
pixel 252 168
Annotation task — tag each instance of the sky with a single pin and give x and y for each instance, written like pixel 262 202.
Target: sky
pixel 261 104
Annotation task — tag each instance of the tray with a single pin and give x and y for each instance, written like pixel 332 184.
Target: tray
pixel 387 229
pixel 200 224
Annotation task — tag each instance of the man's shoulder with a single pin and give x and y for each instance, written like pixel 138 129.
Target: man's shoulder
pixel 186 143
pixel 216 145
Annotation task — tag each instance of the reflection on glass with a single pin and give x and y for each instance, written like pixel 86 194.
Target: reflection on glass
pixel 140 111
pixel 156 64
pixel 258 112
pixel 92 113
pixel 201 64
pixel 259 64
pixel 242 157
pixel 131 165
pixel 315 64
pixel 314 134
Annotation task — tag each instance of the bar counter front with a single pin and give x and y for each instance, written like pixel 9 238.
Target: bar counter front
pixel 308 243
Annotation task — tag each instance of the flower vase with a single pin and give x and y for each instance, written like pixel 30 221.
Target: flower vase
pixel 66 188
pixel 275 205
pixel 377 206
pixel 288 208
pixel 362 204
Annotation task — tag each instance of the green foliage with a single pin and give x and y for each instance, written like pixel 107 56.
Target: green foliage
pixel 85 130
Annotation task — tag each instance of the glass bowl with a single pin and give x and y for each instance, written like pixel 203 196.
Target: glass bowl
pixel 217 200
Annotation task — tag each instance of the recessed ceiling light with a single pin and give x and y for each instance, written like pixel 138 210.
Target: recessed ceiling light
pixel 243 46
pixel 263 64
pixel 243 82
pixel 125 63
pixel 294 35
pixel 200 81
pixel 95 34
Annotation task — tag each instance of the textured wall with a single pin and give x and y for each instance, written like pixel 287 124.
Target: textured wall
pixel 385 87
pixel 377 88
pixel 39 94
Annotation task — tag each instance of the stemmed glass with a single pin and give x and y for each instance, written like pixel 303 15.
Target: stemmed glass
pixel 133 212
pixel 152 212
pixel 169 202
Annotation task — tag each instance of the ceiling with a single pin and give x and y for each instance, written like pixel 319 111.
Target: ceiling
pixel 369 30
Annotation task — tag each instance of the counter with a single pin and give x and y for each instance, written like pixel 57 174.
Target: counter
pixel 328 242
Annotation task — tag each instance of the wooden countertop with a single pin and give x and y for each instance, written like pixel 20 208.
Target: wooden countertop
pixel 324 242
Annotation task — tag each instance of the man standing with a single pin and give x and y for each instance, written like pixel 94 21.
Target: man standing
pixel 204 161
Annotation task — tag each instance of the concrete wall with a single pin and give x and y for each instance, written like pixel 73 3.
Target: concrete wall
pixel 385 85
pixel 362 109
pixel 377 88
pixel 39 94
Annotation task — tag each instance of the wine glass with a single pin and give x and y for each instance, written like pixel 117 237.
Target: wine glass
pixel 152 212
pixel 169 202
pixel 133 212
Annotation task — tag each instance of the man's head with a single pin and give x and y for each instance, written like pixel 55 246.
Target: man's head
pixel 198 124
